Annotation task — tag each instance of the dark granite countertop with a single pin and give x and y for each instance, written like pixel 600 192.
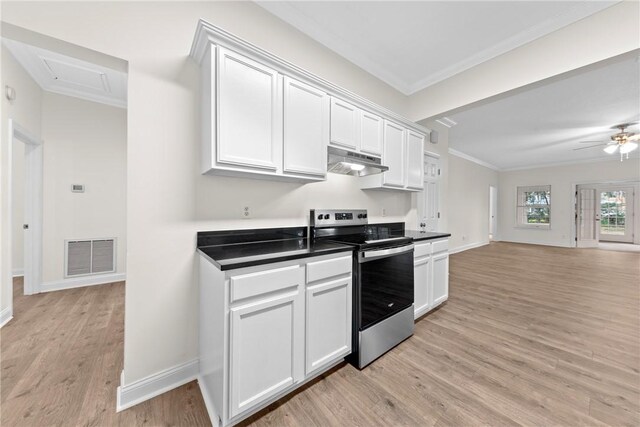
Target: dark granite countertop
pixel 425 235
pixel 240 255
pixel 230 249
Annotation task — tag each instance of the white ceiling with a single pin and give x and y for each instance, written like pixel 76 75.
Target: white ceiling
pixel 411 45
pixel 71 76
pixel 544 124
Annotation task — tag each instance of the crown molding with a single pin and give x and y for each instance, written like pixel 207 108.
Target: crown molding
pixel 580 11
pixel 292 16
pixel 569 163
pixel 462 155
pixel 208 34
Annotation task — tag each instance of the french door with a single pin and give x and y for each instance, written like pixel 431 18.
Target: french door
pixel 616 214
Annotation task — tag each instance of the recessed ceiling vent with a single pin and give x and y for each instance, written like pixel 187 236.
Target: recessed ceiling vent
pixel 85 257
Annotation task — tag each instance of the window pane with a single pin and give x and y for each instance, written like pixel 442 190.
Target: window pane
pixel 613 209
pixel 537 215
pixel 537 198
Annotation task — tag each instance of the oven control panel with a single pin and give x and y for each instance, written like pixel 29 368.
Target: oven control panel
pixel 337 217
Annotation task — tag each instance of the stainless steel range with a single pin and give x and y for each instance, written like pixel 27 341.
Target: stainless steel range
pixel 382 281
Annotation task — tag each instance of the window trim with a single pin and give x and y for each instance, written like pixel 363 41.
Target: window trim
pixel 519 223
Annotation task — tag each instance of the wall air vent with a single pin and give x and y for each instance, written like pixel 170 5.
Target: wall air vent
pixel 86 257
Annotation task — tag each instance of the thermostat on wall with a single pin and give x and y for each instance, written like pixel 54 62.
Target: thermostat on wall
pixel 77 188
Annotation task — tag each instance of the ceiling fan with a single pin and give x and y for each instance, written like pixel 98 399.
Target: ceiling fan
pixel 621 141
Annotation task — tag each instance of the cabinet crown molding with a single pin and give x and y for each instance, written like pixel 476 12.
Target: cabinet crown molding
pixel 207 34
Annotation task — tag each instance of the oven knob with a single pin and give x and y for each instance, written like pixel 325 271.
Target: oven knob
pixel 360 216
pixel 326 216
pixel 364 216
pixel 320 216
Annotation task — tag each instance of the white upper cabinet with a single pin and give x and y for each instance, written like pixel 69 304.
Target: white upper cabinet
pixel 344 124
pixel 393 155
pixel 306 129
pixel 249 125
pixel 265 118
pixel 371 135
pixel 415 165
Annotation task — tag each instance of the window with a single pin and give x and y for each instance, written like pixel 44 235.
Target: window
pixel 534 206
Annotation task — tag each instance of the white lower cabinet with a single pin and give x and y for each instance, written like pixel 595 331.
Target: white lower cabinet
pixel 440 278
pixel 266 349
pixel 328 323
pixel 265 330
pixel 431 275
pixel 422 278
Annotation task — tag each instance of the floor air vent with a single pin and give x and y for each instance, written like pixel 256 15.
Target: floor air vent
pixel 85 257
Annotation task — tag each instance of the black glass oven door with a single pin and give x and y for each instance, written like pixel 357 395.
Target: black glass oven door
pixel 385 283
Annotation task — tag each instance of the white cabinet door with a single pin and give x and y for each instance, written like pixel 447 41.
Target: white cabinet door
pixel 306 128
pixel 266 348
pixel 328 336
pixel 440 278
pixel 249 112
pixel 371 133
pixel 344 124
pixel 415 163
pixel 393 155
pixel 422 283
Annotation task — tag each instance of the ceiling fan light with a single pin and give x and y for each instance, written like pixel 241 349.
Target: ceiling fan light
pixel 610 149
pixel 628 147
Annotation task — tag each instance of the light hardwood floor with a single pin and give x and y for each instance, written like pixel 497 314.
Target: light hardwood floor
pixel 531 335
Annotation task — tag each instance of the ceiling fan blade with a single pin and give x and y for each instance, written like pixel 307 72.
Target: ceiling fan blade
pixel 591 146
pixel 634 137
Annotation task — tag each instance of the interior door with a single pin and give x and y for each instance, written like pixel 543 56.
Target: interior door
pixel 493 212
pixel 587 218
pixel 428 204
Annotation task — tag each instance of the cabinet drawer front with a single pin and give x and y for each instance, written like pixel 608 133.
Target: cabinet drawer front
pixel 263 282
pixel 441 246
pixel 319 270
pixel 421 249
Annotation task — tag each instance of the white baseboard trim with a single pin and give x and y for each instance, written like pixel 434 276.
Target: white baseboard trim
pixel 467 247
pixel 146 388
pixel 17 272
pixel 78 282
pixel 6 315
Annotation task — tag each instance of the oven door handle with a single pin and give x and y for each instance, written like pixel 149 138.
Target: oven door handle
pixel 365 256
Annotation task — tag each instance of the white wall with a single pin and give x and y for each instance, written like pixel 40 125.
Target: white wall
pixel 84 143
pixel 168 201
pixel 562 179
pixel 26 110
pixel 469 202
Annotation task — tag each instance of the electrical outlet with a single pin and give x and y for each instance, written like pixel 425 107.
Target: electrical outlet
pixel 384 212
pixel 246 212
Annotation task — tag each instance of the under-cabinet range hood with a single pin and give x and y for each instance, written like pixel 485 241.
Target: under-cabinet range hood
pixel 347 162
